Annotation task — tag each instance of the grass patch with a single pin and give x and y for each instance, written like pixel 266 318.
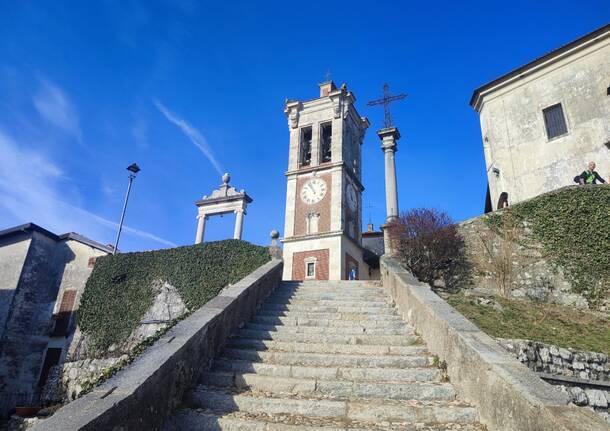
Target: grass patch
pixel 552 324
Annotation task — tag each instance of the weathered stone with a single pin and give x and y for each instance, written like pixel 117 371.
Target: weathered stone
pixel 596 398
pixel 166 306
pixel 578 396
pixel 545 354
pixel 565 354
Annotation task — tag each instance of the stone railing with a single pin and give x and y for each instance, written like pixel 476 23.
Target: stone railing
pixel 508 395
pixel 144 394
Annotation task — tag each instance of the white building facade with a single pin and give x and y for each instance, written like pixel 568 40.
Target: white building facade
pixel 543 122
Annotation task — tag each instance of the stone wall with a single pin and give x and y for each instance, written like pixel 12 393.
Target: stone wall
pixel 516 267
pixel 27 328
pixel 508 395
pixel 13 252
pixel 142 395
pixel 596 399
pixel 549 359
pixel 37 269
pixel 67 381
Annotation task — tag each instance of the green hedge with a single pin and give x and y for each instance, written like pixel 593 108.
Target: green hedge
pixel 573 226
pixel 118 293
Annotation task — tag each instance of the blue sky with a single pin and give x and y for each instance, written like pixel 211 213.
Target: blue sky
pixel 192 89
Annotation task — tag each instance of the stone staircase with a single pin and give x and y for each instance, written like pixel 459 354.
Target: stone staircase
pixel 325 356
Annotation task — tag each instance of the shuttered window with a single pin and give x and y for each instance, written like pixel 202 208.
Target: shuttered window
pixel 554 121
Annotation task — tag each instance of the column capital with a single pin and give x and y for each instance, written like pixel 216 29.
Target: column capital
pixel 389 132
pixel 389 137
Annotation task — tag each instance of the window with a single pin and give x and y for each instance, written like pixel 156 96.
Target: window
pixel 311 269
pixel 305 148
pixel 326 138
pixel 554 121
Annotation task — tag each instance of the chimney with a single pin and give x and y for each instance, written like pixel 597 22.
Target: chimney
pixel 326 88
pixel 370 227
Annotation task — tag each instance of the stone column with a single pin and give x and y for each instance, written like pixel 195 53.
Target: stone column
pixel 239 223
pixel 389 137
pixel 200 228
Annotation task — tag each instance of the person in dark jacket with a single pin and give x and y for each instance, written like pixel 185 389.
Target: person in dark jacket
pixel 590 176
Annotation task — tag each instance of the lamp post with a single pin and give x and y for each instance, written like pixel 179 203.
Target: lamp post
pixel 133 170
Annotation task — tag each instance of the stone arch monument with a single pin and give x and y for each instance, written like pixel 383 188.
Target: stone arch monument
pixel 226 199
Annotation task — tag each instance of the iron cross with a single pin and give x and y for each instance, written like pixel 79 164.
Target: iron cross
pixel 387 99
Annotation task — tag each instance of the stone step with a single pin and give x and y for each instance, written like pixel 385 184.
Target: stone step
pixel 419 374
pixel 189 419
pixel 222 401
pixel 414 356
pixel 328 302
pixel 331 289
pixel 384 323
pixel 276 297
pixel 336 389
pixel 285 346
pixel 329 316
pixel 344 330
pixel 341 292
pixel 386 309
pixel 325 284
pixel 361 339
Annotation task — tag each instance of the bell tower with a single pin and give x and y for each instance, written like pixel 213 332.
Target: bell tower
pixel 324 189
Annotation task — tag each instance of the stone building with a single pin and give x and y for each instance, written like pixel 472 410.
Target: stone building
pixel 42 276
pixel 373 243
pixel 322 233
pixel 544 121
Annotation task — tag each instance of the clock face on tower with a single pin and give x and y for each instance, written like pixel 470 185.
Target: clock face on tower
pixel 352 199
pixel 313 191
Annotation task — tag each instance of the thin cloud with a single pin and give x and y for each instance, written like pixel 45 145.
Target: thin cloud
pixel 126 229
pixel 56 108
pixel 192 133
pixel 30 187
pixel 139 132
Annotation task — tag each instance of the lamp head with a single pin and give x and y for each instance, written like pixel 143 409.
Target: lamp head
pixel 133 168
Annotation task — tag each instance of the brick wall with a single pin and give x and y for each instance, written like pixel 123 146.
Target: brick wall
pixel 298 264
pixel 62 318
pixel 322 207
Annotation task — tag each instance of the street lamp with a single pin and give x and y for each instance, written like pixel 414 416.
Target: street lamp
pixel 133 170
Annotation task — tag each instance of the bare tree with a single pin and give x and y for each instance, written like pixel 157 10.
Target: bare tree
pixel 427 243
